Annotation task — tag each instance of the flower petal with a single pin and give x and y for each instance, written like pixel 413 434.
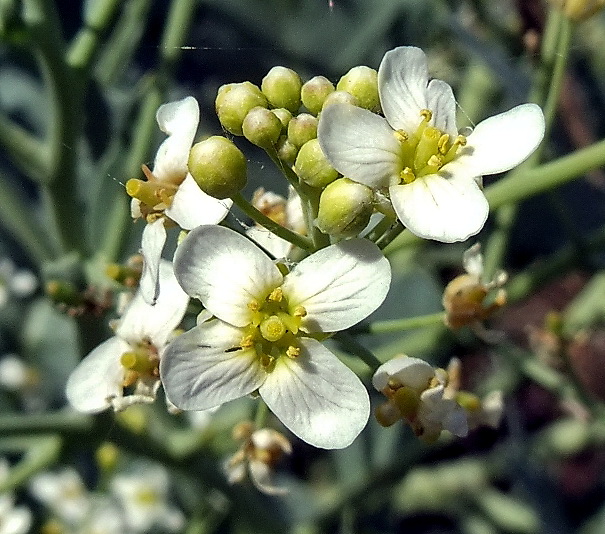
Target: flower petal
pixel 501 142
pixel 263 478
pixel 402 83
pixel 339 285
pixel 445 209
pixel 143 321
pixel 200 369
pixel 408 371
pixel 192 207
pixel 152 244
pixel 98 377
pixel 225 271
pixel 317 397
pixel 275 245
pixel 179 120
pixel 442 104
pixel 359 144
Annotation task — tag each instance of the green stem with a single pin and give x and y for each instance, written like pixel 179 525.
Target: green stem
pixel 262 410
pixel 398 325
pixel 260 218
pixel 25 151
pixel 351 345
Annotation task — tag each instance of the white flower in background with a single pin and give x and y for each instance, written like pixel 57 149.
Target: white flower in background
pixel 13 519
pixel 19 283
pixel 261 339
pixel 104 517
pixel 63 493
pixel 261 451
pixel 22 379
pixel 130 359
pixel 417 393
pixel 432 174
pixel 143 495
pixel 170 192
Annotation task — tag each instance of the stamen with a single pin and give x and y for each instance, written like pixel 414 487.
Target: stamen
pixel 407 175
pixel 401 136
pixel 293 352
pixel 151 193
pixel 442 144
pixel 276 295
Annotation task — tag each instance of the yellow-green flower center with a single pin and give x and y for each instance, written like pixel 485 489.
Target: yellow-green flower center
pixel 426 150
pixel 141 361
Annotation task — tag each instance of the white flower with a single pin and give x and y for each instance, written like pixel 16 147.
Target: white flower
pixel 262 339
pixel 170 190
pixel 131 357
pixel 20 283
pixel 432 174
pixel 13 519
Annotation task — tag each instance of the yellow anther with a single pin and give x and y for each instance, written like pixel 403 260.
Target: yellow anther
pixel 442 144
pixel 293 352
pixel 407 175
pixel 426 114
pixel 276 295
pixel 272 328
pixel 253 305
pixel 299 311
pixel 401 136
pixel 247 341
pixel 434 161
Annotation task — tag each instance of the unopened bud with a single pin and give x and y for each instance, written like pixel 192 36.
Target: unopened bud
pixel 286 151
pixel 340 97
pixel 282 87
pixel 262 127
pixel 362 83
pixel 301 129
pixel 284 117
pixel 345 208
pixel 234 101
pixel 314 93
pixel 218 167
pixel 312 167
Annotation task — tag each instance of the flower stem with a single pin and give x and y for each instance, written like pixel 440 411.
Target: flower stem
pixel 398 325
pixel 351 345
pixel 262 410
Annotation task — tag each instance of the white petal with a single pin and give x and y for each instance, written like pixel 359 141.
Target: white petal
pixel 442 104
pixel 501 142
pixel 275 245
pixel 225 271
pixel 444 209
pixel 179 120
pixel 98 377
pixel 359 144
pixel 402 83
pixel 317 397
pixel 411 372
pixel 152 244
pixel 262 477
pixel 192 207
pixel 472 260
pixel 339 285
pixel 155 322
pixel 199 369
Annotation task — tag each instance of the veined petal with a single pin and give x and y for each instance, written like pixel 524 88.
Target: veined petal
pixel 275 245
pixel 402 84
pixel 192 207
pixel 359 144
pixel 98 377
pixel 317 397
pixel 408 371
pixel 501 142
pixel 144 321
pixel 200 369
pixel 442 104
pixel 179 120
pixel 225 271
pixel 152 244
pixel 445 209
pixel 339 285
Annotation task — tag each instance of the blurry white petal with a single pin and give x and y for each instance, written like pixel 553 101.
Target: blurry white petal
pixel 445 209
pixel 152 244
pixel 407 371
pixel 200 369
pixel 262 477
pixel 98 377
pixel 359 144
pixel 317 397
pixel 339 285
pixel 225 271
pixel 192 207
pixel 472 261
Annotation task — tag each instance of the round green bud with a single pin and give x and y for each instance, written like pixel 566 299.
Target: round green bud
pixel 234 101
pixel 282 86
pixel 314 93
pixel 262 127
pixel 312 167
pixel 340 97
pixel 301 129
pixel 345 208
pixel 284 116
pixel 218 167
pixel 362 83
pixel 286 151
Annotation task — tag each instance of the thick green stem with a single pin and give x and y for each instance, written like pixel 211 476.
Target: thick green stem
pixel 351 345
pixel 398 325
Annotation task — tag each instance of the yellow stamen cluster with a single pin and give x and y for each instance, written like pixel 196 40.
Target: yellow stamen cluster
pixel 141 361
pixel 426 150
pixel 154 195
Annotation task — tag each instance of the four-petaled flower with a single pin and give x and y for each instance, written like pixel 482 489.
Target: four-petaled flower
pixel 415 153
pixel 263 336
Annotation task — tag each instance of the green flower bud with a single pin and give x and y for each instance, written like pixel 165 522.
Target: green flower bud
pixel 218 167
pixel 262 127
pixel 312 167
pixel 301 129
pixel 345 208
pixel 234 101
pixel 282 86
pixel 362 83
pixel 314 93
pixel 284 116
pixel 340 97
pixel 286 151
